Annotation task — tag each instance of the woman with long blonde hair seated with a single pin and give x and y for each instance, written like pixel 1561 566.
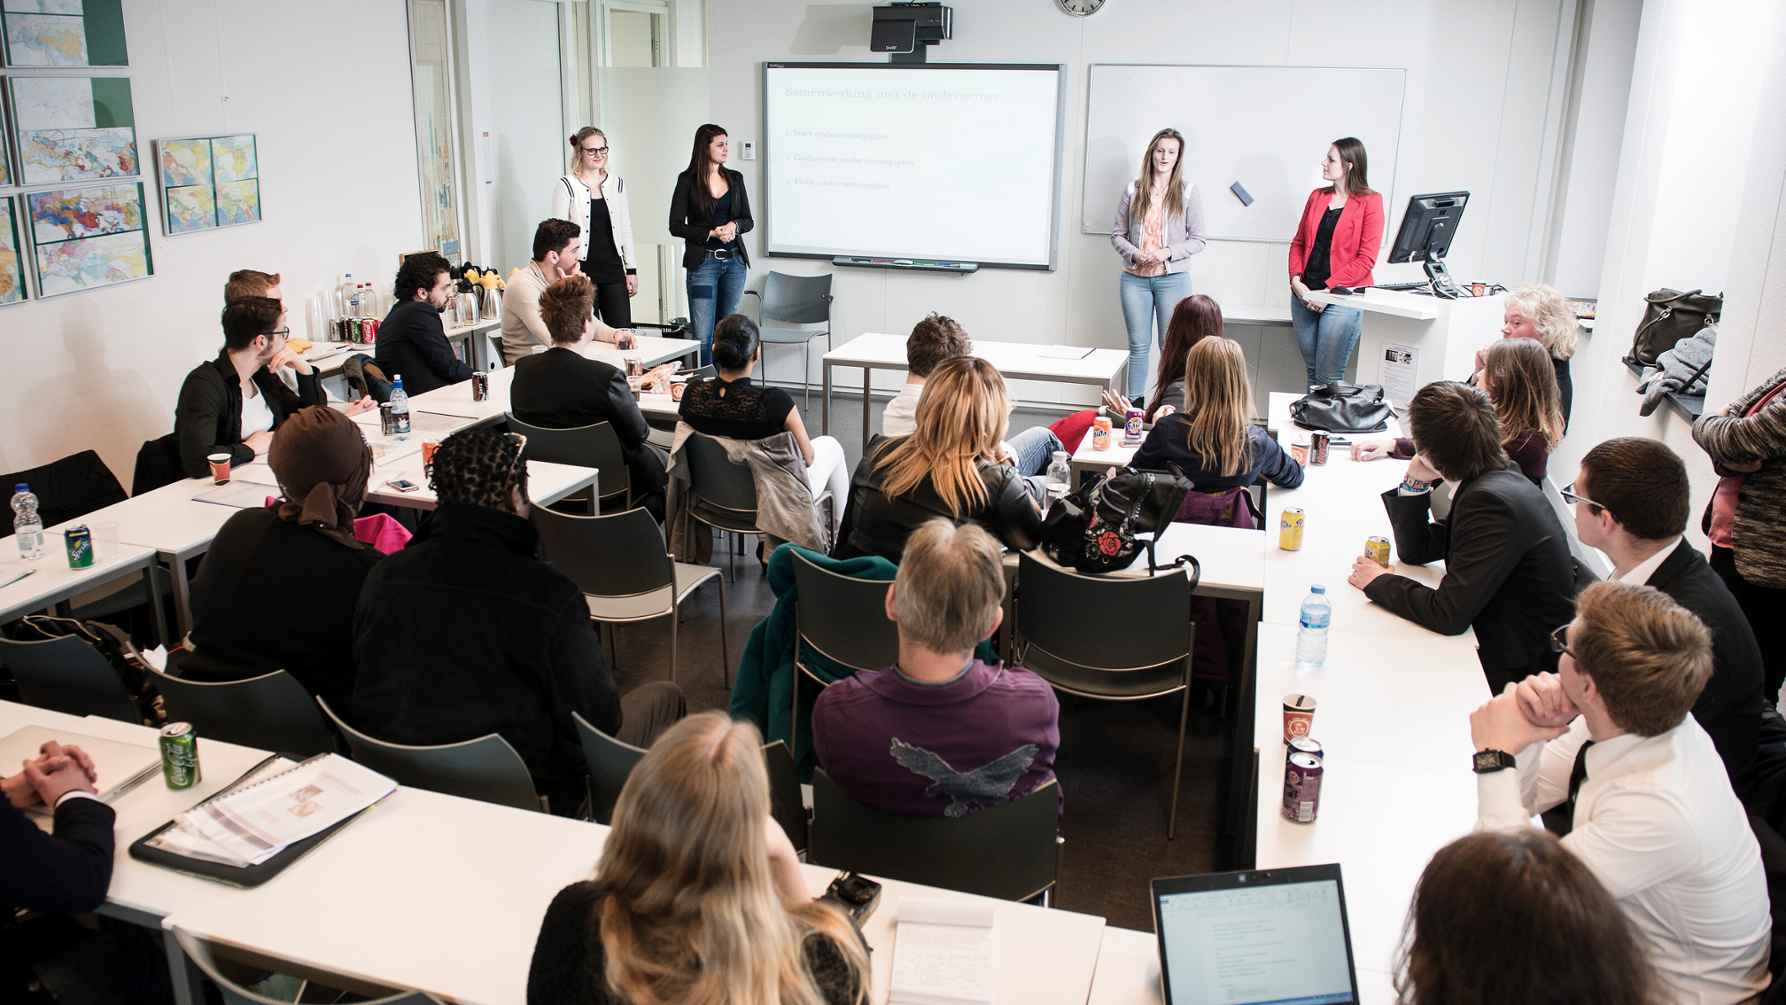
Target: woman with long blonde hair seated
pixel 698 897
pixel 950 466
pixel 1213 441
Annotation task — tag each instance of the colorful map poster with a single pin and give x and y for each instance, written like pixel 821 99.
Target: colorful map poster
pixel 12 261
pixel 73 128
pixel 208 182
pixel 85 238
pixel 6 178
pixel 63 32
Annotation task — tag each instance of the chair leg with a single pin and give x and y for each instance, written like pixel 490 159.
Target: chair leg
pixel 1184 715
pixel 794 713
pixel 673 620
pixel 806 373
pixel 725 649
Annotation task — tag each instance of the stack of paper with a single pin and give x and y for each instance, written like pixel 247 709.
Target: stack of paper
pixel 253 823
pixel 943 954
pixel 118 766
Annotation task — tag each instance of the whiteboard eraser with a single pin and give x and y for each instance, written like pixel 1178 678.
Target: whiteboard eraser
pixel 1240 192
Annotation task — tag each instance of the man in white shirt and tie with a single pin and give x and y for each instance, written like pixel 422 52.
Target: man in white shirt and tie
pixel 1654 816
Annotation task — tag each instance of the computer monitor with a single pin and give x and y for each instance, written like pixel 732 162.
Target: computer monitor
pixel 1425 236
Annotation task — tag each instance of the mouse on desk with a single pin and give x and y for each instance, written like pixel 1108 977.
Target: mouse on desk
pixel 1341 291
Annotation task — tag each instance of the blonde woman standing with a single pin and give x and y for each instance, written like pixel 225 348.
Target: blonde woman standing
pixel 1159 226
pixel 585 197
pixel 1213 441
pixel 698 897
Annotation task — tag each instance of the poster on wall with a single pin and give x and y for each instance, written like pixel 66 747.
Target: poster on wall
pixel 12 259
pixel 73 128
pixel 85 238
pixel 208 182
pixel 63 32
pixel 6 178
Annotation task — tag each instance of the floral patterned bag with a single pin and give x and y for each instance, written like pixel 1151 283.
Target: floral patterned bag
pixel 1094 529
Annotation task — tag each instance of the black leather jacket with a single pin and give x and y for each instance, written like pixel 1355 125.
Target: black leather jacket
pixel 876 524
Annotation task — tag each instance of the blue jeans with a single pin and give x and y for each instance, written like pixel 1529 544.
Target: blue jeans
pixel 1145 299
pixel 1034 449
pixel 1326 339
pixel 714 290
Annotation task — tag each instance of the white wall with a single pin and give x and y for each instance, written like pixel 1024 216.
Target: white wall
pixel 511 65
pixel 325 85
pixel 1480 82
pixel 1606 51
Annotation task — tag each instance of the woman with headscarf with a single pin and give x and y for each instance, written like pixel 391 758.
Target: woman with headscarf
pixel 278 588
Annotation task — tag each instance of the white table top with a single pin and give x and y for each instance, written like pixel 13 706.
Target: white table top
pixel 455 400
pixel 1018 360
pixel 51 579
pixel 1118 456
pixel 167 519
pixel 1394 303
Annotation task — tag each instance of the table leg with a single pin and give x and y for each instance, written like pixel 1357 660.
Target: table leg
pixel 867 381
pixel 1243 757
pixel 187 983
pixel 182 594
pixel 149 581
pixel 825 402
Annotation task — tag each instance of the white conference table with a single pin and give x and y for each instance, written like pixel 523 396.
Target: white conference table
pixel 455 401
pixel 52 582
pixel 1014 360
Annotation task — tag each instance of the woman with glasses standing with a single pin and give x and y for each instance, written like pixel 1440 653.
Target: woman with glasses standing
pixel 1159 226
pixel 711 212
pixel 600 210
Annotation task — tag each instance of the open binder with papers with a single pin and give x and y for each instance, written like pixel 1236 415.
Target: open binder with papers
pixel 251 831
pixel 944 954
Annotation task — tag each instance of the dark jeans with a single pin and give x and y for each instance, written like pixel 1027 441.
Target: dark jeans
pixel 714 289
pixel 612 304
pixel 1763 605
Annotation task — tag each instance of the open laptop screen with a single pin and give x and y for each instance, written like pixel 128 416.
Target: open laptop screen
pixel 1264 937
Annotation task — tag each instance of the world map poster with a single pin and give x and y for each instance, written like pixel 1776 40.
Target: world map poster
pixel 208 182
pixel 63 32
pixel 12 262
pixel 84 238
pixel 73 128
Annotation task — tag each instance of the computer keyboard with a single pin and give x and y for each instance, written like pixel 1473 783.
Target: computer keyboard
pixel 1402 287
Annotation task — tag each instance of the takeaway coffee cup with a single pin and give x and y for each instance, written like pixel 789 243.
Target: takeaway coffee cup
pixel 219 467
pixel 1299 715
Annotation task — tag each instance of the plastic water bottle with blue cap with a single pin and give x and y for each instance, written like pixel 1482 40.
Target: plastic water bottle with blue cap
pixel 1311 637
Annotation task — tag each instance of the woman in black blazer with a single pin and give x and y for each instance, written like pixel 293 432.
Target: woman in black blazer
pixel 710 211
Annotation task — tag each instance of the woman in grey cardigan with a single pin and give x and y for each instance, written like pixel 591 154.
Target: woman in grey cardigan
pixel 1746 521
pixel 596 202
pixel 1159 226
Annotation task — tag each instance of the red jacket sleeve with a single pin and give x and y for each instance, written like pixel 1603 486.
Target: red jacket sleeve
pixel 1300 241
pixel 1354 268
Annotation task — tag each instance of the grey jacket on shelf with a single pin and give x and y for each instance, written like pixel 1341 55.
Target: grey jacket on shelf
pixel 1759 531
pixel 1182 234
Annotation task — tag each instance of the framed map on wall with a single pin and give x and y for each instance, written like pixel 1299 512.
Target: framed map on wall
pixel 12 258
pixel 83 238
pixel 73 128
pixel 64 32
pixel 6 178
pixel 208 182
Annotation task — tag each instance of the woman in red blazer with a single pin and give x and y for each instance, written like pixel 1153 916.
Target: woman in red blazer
pixel 1335 245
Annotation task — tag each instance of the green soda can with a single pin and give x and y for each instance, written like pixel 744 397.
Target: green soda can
pixel 179 755
pixel 80 547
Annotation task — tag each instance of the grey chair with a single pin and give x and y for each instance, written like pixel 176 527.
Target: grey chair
pixel 271 711
pixel 725 494
pixel 232 978
pixel 1061 639
pixel 593 446
pixel 610 761
pixel 843 619
pixel 493 339
pixel 68 675
pixel 786 803
pixel 794 310
pixel 1010 851
pixel 620 563
pixel 485 768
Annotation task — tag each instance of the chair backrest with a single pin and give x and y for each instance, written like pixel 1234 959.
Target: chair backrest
pixel 797 300
pixel 719 483
pixel 232 977
pixel 157 464
pixel 271 711
pixel 66 488
pixel 494 338
pixel 1007 851
pixel 785 803
pixel 1071 630
pixel 485 768
pixel 613 555
pixel 610 762
pixel 592 446
pixel 844 618
pixel 68 675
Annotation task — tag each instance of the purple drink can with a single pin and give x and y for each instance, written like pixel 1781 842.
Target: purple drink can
pixel 1302 788
pixel 480 385
pixel 1318 444
pixel 1131 427
pixel 1305 745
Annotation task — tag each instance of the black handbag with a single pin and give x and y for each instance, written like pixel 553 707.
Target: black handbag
pixel 1342 408
pixel 1669 316
pixel 1095 529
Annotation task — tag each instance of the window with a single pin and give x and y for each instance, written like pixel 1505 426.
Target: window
pixel 431 70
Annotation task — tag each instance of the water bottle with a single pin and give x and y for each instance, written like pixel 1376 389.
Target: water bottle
pixel 344 293
pixel 369 302
pixel 27 526
pixel 355 301
pixel 399 407
pixel 1060 475
pixel 1311 638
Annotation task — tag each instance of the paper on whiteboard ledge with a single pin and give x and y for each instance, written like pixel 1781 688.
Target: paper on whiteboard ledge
pixel 943 954
pixel 1397 373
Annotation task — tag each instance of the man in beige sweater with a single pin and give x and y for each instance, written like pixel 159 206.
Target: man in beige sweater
pixel 557 246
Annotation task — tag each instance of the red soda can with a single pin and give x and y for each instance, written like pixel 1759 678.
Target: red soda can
pixel 1302 788
pixel 1318 443
pixel 371 330
pixel 480 385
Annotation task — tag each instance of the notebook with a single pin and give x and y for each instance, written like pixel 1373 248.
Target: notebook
pixel 1246 938
pixel 118 766
pixel 943 954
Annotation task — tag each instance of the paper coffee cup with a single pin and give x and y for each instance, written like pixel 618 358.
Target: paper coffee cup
pixel 219 467
pixel 1299 715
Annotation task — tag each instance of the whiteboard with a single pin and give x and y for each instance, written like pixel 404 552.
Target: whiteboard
pixel 1267 127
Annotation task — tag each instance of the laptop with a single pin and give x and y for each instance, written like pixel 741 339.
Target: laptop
pixel 1257 937
pixel 120 766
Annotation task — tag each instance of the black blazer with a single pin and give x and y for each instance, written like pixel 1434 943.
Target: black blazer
pixel 1730 707
pixel 208 416
pixel 562 389
pixel 684 222
pixel 65 872
pixel 412 342
pixel 878 524
pixel 1508 573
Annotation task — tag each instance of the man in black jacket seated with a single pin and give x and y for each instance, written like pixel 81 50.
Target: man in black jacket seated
pixel 412 342
pixel 1508 572
pixel 215 412
pixel 1630 502
pixel 467 632
pixel 562 389
pixel 69 869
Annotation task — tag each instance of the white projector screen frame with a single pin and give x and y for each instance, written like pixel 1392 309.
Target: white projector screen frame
pixel 1046 250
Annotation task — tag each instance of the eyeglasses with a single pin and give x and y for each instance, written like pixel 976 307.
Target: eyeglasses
pixel 1569 496
pixel 280 333
pixel 597 151
pixel 1559 641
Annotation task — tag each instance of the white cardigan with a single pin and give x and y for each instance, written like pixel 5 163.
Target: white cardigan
pixel 570 201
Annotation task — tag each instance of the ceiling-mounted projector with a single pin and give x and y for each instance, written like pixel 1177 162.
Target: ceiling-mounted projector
pixel 907 30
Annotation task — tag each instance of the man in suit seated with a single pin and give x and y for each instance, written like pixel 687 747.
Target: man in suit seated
pixel 1508 572
pixel 941 733
pixel 412 341
pixel 68 869
pixel 563 389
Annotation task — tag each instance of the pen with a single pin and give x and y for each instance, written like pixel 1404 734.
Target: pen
pixel 18 577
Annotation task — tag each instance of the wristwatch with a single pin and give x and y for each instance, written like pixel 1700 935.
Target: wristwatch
pixel 1485 761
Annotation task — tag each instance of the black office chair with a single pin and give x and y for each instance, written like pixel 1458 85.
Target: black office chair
pixel 610 762
pixel 486 768
pixel 68 675
pixel 843 619
pixel 66 488
pixel 794 310
pixel 233 979
pixel 592 446
pixel 271 711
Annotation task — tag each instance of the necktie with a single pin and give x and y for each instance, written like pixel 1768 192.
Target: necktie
pixel 1561 820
